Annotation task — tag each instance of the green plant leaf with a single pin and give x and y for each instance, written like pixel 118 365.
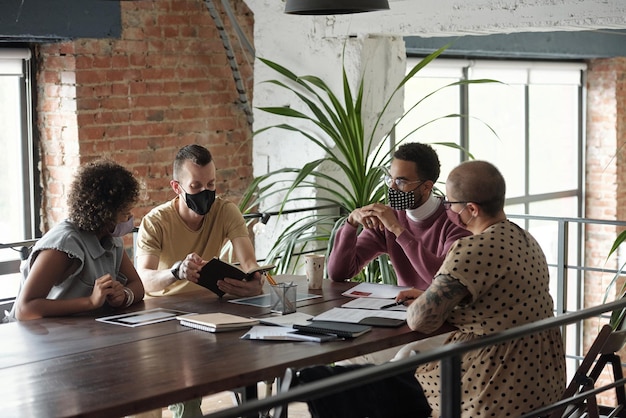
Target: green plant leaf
pixel 618 241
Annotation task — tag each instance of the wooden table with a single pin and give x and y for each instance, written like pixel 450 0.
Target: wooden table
pixel 76 366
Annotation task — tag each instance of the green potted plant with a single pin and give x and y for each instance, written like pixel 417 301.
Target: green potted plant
pixel 359 155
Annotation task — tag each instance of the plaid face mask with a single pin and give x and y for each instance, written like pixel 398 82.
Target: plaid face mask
pixel 400 200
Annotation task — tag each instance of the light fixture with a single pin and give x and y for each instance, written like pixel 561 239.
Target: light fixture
pixel 334 7
pixel 260 227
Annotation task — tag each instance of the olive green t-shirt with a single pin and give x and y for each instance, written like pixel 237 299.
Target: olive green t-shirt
pixel 163 232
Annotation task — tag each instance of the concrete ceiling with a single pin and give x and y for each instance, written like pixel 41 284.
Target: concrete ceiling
pixel 427 18
pixel 569 45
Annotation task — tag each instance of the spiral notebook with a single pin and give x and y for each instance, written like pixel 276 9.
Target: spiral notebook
pixel 216 321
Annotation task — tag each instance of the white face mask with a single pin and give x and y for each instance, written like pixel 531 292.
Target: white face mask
pixel 124 228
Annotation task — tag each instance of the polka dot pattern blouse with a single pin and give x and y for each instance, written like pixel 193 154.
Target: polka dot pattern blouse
pixel 506 273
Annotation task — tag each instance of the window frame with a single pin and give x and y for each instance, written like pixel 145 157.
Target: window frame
pixel 519 71
pixel 17 61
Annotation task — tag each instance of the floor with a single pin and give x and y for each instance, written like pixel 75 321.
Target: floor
pixel 225 400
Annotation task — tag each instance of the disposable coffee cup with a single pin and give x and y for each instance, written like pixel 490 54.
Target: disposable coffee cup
pixel 314 270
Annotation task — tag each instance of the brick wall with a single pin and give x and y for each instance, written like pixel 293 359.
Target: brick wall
pixel 605 188
pixel 166 83
pixel 601 169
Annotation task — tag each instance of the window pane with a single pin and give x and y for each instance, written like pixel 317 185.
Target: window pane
pixel 507 149
pixel 16 213
pixel 443 102
pixel 11 181
pixel 9 282
pixel 553 138
pixel 546 232
pixel 563 208
pixel 515 210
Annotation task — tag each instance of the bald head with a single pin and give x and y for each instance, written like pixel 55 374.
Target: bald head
pixel 479 182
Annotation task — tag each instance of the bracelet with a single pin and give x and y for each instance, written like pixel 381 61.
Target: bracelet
pixel 176 269
pixel 130 297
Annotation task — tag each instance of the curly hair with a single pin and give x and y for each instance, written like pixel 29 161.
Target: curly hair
pixel 99 192
pixel 424 157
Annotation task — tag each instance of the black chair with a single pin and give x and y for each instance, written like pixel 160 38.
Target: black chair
pixel 398 396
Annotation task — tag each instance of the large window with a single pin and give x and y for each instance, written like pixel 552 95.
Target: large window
pixel 529 124
pixel 536 112
pixel 17 182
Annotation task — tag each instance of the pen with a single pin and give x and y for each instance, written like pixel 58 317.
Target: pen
pixel 398 303
pixel 270 279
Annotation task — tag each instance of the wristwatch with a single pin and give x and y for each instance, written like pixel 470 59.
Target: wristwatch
pixel 175 269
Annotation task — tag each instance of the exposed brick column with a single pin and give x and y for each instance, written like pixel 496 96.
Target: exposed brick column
pixel 164 84
pixel 606 186
pixel 58 128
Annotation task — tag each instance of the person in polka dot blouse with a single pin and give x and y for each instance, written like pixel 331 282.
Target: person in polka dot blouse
pixel 491 281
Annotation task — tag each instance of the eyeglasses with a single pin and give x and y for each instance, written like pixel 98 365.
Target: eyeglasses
pixel 401 183
pixel 447 204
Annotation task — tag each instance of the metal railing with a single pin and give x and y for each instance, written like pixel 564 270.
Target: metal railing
pixel 23 248
pixel 450 357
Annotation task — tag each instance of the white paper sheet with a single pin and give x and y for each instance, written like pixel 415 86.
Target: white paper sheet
pixel 269 332
pixel 372 303
pixel 286 320
pixel 354 316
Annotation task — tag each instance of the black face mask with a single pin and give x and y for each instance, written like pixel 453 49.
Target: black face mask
pixel 400 200
pixel 200 202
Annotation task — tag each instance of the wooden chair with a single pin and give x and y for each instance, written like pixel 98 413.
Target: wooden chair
pixel 585 378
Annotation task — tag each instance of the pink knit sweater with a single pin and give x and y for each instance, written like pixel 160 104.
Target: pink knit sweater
pixel 415 255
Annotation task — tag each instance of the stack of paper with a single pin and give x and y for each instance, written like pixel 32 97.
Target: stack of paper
pixel 269 332
pixel 340 329
pixel 373 303
pixel 380 318
pixel 288 320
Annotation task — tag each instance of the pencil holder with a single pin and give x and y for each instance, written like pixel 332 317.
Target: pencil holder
pixel 283 298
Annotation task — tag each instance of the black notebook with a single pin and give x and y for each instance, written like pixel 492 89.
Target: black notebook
pixel 217 269
pixel 340 329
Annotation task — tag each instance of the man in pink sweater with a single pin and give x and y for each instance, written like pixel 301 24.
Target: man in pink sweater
pixel 413 229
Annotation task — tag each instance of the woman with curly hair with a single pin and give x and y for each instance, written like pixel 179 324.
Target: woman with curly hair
pixel 80 264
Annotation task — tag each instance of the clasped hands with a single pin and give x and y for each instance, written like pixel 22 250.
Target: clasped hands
pixel 376 216
pixel 106 288
pixel 192 264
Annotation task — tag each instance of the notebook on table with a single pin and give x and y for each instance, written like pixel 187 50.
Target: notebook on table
pixel 216 321
pixel 377 318
pixel 269 332
pixel 340 329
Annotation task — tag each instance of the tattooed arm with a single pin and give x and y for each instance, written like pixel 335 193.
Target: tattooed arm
pixel 431 309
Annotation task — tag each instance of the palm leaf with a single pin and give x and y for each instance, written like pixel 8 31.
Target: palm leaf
pixel 358 155
pixel 617 316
